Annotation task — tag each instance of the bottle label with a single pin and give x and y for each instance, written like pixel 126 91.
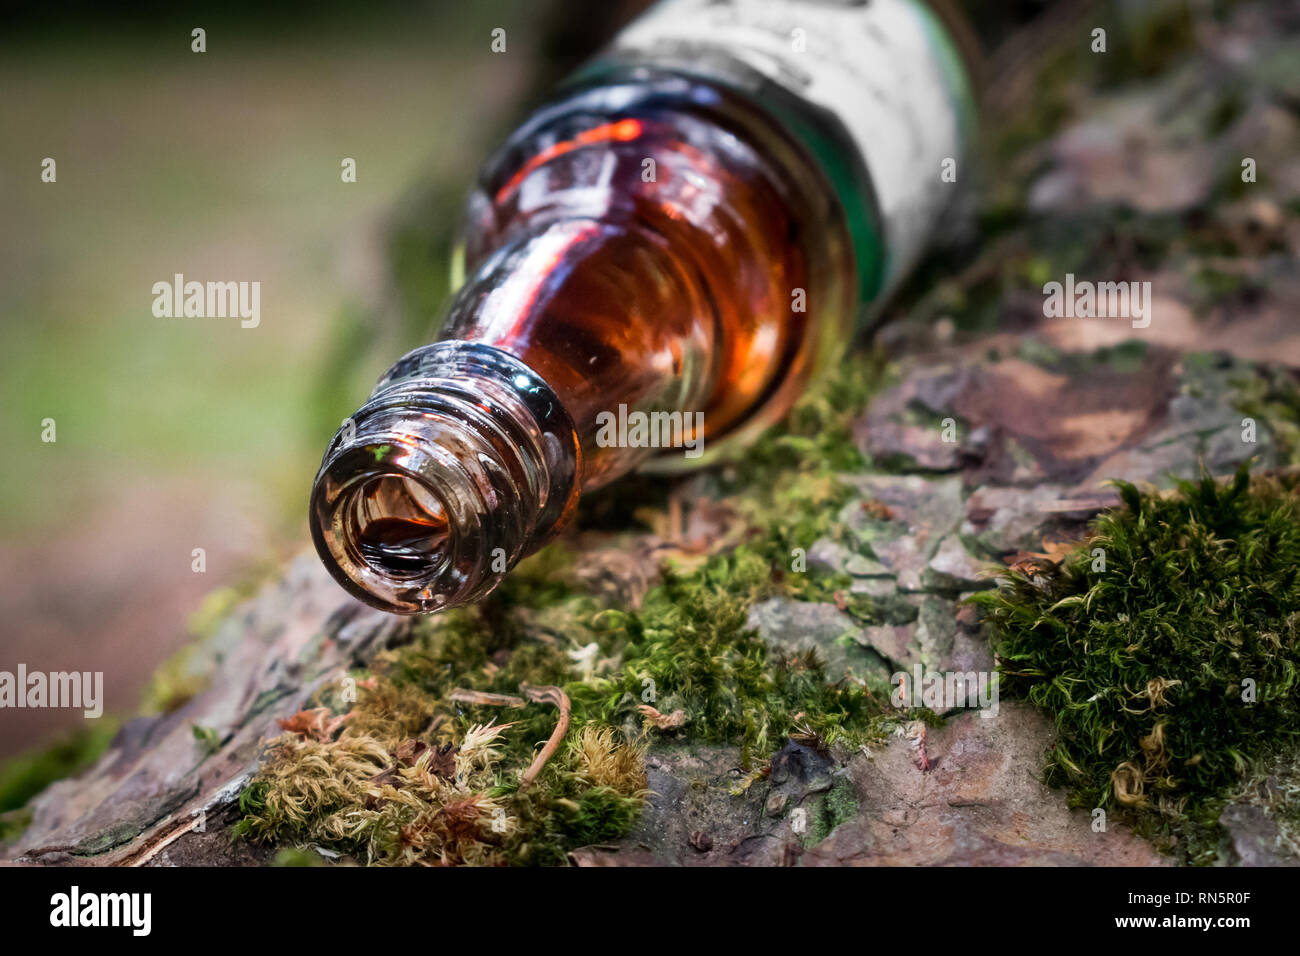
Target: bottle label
pixel 885 68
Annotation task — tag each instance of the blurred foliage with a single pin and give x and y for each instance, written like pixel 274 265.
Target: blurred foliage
pixel 24 776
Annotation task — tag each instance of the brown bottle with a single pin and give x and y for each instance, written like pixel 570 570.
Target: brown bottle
pixel 659 261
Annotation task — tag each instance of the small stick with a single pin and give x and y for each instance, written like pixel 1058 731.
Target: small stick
pixel 462 696
pixel 1066 505
pixel 547 695
pixel 160 843
pixel 538 695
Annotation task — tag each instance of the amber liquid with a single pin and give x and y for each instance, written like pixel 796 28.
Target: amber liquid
pixel 402 546
pixel 397 528
pixel 655 256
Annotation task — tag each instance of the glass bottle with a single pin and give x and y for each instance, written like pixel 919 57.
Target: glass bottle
pixel 658 261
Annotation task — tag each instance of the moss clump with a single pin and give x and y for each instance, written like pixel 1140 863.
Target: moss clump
pixel 449 804
pixel 405 782
pixel 412 804
pixel 837 805
pixel 689 648
pixel 1172 667
pixel 412 777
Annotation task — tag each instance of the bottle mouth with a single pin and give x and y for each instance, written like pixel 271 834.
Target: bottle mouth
pixel 462 463
pixel 400 528
pixel 384 527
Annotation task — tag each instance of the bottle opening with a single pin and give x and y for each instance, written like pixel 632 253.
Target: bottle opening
pixel 400 528
pixel 386 532
pixel 455 469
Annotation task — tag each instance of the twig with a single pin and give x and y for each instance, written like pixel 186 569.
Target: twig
pixel 462 696
pixel 161 842
pixel 547 695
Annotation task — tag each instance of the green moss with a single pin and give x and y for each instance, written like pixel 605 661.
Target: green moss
pixel 292 856
pixel 816 436
pixel 788 486
pixel 687 648
pixel 209 740
pixel 1171 669
pixel 837 805
pixel 177 680
pixel 13 824
pixel 252 799
pixel 26 775
pixel 599 815
pixel 690 647
pixel 1272 397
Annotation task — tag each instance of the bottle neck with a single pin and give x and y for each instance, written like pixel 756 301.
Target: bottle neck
pixel 653 243
pixel 462 462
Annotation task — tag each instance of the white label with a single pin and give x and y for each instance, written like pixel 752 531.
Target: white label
pixel 872 63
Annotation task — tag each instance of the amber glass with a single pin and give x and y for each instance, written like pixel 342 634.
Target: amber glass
pixel 650 241
pixel 659 243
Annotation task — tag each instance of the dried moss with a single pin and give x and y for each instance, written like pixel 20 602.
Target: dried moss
pixel 405 802
pixel 414 778
pixel 686 648
pixel 1176 665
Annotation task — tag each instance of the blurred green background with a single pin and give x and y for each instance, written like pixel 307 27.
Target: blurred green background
pixel 177 434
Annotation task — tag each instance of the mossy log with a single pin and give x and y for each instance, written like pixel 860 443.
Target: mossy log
pixel 987 441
